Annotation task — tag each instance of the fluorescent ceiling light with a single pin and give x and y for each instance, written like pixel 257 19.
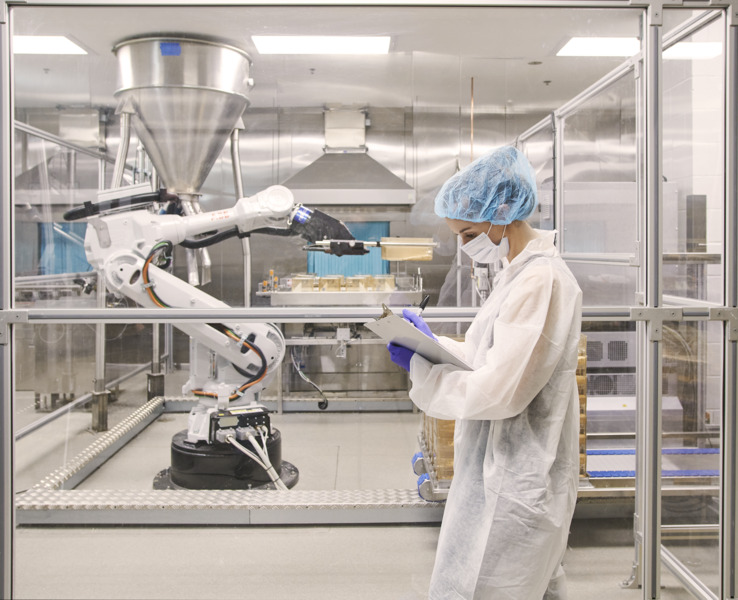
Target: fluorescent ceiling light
pixel 694 51
pixel 45 44
pixel 321 44
pixel 600 46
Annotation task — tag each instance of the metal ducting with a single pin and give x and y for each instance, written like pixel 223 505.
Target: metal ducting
pixel 346 174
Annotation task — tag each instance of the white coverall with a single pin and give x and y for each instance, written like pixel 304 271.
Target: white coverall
pixel 516 462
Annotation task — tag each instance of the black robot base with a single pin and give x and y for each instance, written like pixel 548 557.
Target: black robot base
pixel 221 466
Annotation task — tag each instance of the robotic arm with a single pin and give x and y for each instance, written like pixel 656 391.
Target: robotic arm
pixel 230 362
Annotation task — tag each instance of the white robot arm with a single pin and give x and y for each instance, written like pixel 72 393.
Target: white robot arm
pixel 230 362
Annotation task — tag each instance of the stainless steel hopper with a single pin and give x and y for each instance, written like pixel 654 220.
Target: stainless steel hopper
pixel 184 96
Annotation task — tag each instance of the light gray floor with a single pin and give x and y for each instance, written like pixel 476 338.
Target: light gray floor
pixel 332 451
pixel 308 563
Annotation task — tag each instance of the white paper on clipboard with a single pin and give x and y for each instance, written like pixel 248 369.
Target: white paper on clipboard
pixel 393 328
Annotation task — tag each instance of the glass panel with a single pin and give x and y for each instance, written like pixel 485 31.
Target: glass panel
pixel 55 371
pixel 610 395
pixel 599 193
pixel 604 284
pixel 49 179
pixel 693 167
pixel 691 462
pixel 676 18
pixel 693 245
pixel 539 148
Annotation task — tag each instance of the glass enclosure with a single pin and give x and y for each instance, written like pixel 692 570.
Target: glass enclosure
pixel 103 386
pixel 693 167
pixel 693 239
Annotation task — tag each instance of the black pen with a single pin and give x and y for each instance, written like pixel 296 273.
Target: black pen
pixel 423 303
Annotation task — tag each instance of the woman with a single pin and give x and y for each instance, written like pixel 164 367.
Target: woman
pixel 508 512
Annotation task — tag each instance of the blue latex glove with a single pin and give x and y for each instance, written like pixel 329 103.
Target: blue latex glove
pixel 417 320
pixel 400 355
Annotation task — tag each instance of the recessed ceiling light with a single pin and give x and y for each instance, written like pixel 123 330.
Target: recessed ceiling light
pixel 600 46
pixel 45 44
pixel 321 44
pixel 694 51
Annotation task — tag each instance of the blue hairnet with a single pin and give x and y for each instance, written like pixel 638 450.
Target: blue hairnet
pixel 499 187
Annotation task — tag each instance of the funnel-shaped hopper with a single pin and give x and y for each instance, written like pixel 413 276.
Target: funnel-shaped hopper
pixel 186 95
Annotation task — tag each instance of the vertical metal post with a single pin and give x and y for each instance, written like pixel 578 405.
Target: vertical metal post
pixel 101 172
pixel 559 124
pixel 729 430
pixel 155 379
pixel 140 168
pixel 156 349
pixel 238 187
pixel 236 162
pixel 459 267
pixel 7 499
pixel 169 348
pixel 99 406
pixel 636 576
pixel 649 479
pixel 120 159
pixel 280 388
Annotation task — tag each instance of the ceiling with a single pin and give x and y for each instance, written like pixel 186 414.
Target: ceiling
pixel 435 53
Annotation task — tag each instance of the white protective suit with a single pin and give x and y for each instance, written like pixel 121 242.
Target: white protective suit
pixel 516 463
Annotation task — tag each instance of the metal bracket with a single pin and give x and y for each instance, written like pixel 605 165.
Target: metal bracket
pixel 730 316
pixel 656 317
pixel 637 72
pixel 4 8
pixel 10 317
pixel 732 12
pixel 656 8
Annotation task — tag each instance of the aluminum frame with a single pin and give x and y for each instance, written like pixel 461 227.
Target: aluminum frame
pixel 649 477
pixel 649 523
pixel 689 4
pixel 729 429
pixel 7 493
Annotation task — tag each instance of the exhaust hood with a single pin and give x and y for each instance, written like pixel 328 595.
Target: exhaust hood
pixel 346 174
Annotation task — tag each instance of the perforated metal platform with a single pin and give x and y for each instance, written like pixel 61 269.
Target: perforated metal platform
pixel 54 500
pixel 243 507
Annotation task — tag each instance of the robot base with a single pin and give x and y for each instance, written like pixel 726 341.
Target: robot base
pixel 222 467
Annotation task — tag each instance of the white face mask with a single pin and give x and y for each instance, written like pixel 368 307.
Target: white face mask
pixel 483 250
